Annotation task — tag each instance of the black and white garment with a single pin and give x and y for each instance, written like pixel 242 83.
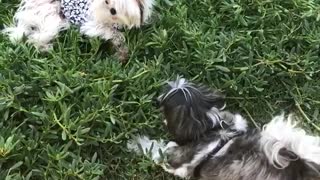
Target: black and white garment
pixel 75 11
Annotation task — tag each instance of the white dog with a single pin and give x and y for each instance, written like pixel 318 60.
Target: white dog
pixel 41 20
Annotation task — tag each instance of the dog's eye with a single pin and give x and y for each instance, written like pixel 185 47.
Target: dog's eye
pixel 113 11
pixel 106 2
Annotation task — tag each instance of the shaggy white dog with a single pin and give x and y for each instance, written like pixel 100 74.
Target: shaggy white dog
pixel 40 21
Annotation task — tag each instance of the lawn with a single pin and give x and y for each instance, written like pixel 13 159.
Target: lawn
pixel 68 113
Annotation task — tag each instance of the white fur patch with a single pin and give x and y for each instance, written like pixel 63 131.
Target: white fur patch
pixel 148 7
pixel 183 170
pixel 224 149
pixel 179 84
pixel 240 123
pixel 281 133
pixel 165 122
pixel 39 20
pixel 214 116
pixel 94 29
pixel 171 144
pixel 128 12
pixel 223 107
pixel 144 145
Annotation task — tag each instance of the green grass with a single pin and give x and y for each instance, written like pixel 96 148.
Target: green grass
pixel 67 114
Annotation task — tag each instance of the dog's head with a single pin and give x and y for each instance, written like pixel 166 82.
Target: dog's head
pixel 129 13
pixel 189 109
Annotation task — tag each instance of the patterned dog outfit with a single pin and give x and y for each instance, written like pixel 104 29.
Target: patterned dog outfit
pixel 75 11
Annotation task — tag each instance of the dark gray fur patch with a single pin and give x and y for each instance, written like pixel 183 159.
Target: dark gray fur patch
pixel 244 160
pixel 187 116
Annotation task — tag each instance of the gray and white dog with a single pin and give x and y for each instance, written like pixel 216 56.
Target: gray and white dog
pixel 213 144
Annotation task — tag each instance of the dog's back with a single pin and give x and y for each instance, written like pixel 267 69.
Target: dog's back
pixel 280 152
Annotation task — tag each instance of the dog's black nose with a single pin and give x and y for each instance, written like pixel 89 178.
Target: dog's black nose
pixel 113 11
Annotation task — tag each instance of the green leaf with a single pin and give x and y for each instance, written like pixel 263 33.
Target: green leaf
pixel 113 120
pixel 222 68
pixel 94 157
pixel 6 115
pixel 42 115
pixel 16 165
pixel 84 131
pixel 259 89
pixel 64 135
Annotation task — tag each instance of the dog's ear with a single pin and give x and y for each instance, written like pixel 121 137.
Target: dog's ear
pixel 185 123
pixel 141 7
pixel 210 98
pixel 146 7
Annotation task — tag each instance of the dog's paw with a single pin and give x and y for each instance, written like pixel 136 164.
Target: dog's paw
pixel 171 145
pixel 123 55
pixel 169 149
pixel 166 167
pixel 40 46
pixel 181 172
pixel 45 47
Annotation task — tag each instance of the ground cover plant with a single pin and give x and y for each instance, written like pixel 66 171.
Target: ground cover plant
pixel 68 113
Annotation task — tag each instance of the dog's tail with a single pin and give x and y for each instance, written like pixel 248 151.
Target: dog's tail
pixel 283 142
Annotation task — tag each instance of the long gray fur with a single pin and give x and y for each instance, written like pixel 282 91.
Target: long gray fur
pixel 185 107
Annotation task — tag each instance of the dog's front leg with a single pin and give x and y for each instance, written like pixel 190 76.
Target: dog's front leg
pixel 92 29
pixel 119 43
pixel 178 160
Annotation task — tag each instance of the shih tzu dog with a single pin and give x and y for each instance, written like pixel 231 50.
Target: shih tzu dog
pixel 41 20
pixel 210 143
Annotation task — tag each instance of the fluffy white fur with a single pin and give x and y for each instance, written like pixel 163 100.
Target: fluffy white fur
pixel 146 146
pixel 179 84
pixel 214 117
pixel 40 20
pixel 282 132
pixel 240 123
pixel 128 12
